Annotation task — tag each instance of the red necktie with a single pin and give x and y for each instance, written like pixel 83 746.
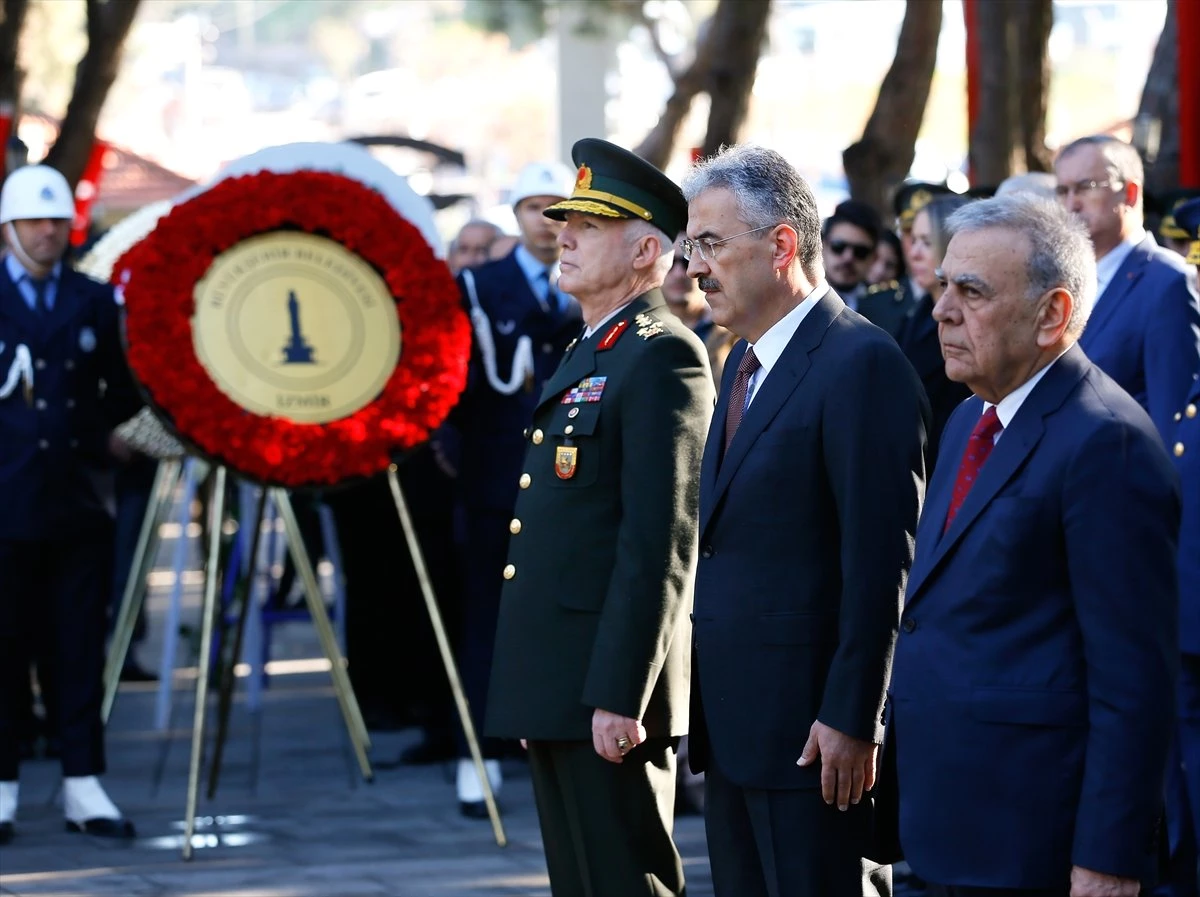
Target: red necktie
pixel 737 394
pixel 979 448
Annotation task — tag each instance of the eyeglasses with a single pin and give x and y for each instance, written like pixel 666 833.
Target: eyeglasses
pixel 861 251
pixel 708 248
pixel 1081 188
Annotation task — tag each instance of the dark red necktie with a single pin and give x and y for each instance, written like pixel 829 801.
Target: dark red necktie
pixel 737 394
pixel 979 448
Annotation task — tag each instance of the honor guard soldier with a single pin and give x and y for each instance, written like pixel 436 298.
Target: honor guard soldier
pixel 910 198
pixel 593 641
pixel 1175 235
pixel 522 323
pixel 63 387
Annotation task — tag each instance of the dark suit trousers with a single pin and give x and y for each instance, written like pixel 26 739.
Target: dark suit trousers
pixel 606 827
pixel 787 843
pixel 54 596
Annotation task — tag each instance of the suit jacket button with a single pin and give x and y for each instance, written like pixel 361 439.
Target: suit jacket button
pixel 706 552
pixel 1179 450
pixel 909 624
pixel 1190 411
pixel 43 444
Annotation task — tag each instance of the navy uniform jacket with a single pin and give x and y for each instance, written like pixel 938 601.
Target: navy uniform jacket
pixel 1032 698
pixel 1185 449
pixel 918 338
pixel 885 305
pixel 1144 331
pixel 489 422
pixel 806 529
pixel 54 439
pixel 594 612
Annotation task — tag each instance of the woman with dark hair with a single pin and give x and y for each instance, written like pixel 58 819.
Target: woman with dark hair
pixel 888 266
pixel 918 336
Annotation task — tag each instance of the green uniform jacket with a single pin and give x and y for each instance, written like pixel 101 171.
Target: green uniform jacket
pixel 598 587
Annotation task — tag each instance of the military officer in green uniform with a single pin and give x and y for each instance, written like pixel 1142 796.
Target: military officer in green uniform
pixel 593 644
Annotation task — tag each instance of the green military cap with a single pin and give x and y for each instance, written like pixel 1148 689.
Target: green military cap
pixel 911 197
pixel 1168 227
pixel 1187 217
pixel 614 183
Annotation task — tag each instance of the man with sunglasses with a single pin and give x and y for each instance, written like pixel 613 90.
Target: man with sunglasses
pixel 849 241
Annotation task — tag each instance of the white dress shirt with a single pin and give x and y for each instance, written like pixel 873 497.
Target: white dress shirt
pixel 771 344
pixel 1006 410
pixel 1107 266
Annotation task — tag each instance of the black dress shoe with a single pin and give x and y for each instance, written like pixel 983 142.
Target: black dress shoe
pixel 6 832
pixel 474 809
pixel 103 828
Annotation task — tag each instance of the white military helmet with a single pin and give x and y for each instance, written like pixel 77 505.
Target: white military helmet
pixel 543 179
pixel 36 191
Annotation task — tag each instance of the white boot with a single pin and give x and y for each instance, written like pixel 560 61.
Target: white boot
pixel 88 809
pixel 470 789
pixel 9 793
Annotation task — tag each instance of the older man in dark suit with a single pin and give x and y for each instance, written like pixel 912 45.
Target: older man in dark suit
pixel 810 488
pixel 1032 696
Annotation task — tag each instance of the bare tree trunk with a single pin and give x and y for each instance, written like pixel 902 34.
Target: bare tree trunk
pixel 739 28
pixel 108 23
pixel 1156 128
pixel 1035 19
pixel 12 78
pixel 656 147
pixel 882 157
pixel 1010 133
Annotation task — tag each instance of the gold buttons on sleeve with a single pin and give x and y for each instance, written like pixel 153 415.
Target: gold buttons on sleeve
pixel 1179 450
pixel 509 572
pixel 538 436
pixel 515 526
pixel 525 480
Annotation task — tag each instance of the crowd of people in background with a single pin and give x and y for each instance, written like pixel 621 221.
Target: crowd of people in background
pixel 936 511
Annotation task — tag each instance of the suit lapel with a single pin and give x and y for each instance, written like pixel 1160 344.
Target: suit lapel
pixel 1118 288
pixel 785 376
pixel 1017 442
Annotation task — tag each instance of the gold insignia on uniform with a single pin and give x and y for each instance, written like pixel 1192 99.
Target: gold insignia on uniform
pixel 565 459
pixel 648 326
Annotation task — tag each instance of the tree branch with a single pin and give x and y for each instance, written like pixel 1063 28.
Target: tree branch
pixel 739 28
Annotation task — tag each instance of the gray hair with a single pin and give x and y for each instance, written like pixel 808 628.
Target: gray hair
pixel 1060 250
pixel 767 190
pixel 1036 183
pixel 1120 158
pixel 638 228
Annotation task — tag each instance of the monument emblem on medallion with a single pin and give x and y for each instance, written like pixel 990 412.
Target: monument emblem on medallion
pixel 297 350
pixel 340 342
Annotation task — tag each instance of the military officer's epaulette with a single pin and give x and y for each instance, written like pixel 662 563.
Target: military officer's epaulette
pixel 649 326
pixel 884 285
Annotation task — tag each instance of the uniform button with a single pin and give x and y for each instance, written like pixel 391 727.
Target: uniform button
pixel 525 433
pixel 525 480
pixel 74 443
pixel 547 348
pixel 909 624
pixel 1179 450
pixel 1190 410
pixel 70 403
pixel 574 412
pixel 43 444
pixel 69 365
pixel 40 364
pixel 706 552
pixel 40 404
pixel 568 430
pixel 515 526
pixel 510 571
pixel 538 436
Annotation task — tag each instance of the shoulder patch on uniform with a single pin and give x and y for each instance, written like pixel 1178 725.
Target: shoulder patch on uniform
pixel 649 326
